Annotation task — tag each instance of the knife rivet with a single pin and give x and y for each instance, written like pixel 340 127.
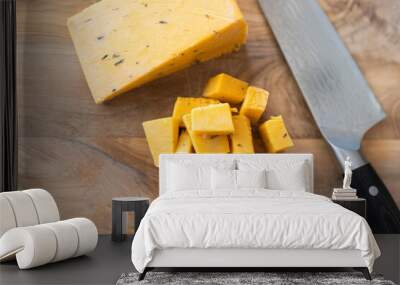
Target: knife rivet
pixel 373 190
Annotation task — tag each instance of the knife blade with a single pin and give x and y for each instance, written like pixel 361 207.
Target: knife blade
pixel 339 98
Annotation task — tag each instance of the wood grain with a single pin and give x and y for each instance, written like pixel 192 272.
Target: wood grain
pixel 85 154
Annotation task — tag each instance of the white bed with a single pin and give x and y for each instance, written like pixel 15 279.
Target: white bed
pixel 248 227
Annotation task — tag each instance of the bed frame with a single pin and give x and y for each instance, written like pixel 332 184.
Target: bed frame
pixel 245 259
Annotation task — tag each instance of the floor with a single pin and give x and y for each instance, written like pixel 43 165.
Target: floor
pixel 103 266
pixel 110 260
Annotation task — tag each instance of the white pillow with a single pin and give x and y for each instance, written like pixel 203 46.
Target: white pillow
pixel 282 174
pixel 293 180
pixel 251 178
pixel 187 174
pixel 223 179
pixel 181 177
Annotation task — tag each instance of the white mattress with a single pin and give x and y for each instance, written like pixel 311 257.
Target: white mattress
pixel 257 219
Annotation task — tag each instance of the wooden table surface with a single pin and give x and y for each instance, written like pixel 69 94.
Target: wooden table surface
pixel 85 154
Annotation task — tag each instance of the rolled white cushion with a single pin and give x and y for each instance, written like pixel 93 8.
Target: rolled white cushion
pixel 7 218
pixel 23 208
pixel 33 246
pixel 87 234
pixel 67 240
pixel 41 244
pixel 45 205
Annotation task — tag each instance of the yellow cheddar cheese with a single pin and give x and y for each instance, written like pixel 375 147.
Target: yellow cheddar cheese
pixel 234 110
pixel 212 120
pixel 184 105
pixel 162 136
pixel 206 144
pixel 241 139
pixel 254 104
pixel 226 88
pixel 123 44
pixel 184 143
pixel 274 134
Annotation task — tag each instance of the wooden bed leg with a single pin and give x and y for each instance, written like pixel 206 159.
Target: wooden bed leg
pixel 364 271
pixel 143 274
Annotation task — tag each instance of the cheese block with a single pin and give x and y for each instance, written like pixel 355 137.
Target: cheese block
pixel 274 134
pixel 206 144
pixel 254 104
pixel 162 136
pixel 184 143
pixel 212 120
pixel 122 44
pixel 184 105
pixel 226 88
pixel 241 139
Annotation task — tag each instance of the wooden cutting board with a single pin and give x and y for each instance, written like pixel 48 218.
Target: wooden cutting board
pixel 85 154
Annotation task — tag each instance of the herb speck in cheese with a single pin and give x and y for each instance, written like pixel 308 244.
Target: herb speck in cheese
pixel 163 22
pixel 115 55
pixel 207 16
pixel 100 38
pixel 147 46
pixel 104 57
pixel 119 62
pixel 114 90
pixel 88 20
pixel 137 62
pixel 285 135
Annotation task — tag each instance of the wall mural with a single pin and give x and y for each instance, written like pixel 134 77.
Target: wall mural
pixel 97 107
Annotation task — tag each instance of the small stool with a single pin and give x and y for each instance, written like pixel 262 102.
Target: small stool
pixel 138 205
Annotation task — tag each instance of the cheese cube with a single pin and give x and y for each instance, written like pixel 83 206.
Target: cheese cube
pixel 241 139
pixel 212 120
pixel 184 143
pixel 226 88
pixel 206 144
pixel 184 105
pixel 162 136
pixel 123 44
pixel 254 103
pixel 274 134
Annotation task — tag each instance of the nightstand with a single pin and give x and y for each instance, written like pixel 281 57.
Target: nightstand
pixel 120 205
pixel 358 206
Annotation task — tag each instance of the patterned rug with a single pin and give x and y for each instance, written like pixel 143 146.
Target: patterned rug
pixel 243 278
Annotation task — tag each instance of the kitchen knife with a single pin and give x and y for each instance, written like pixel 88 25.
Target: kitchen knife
pixel 337 94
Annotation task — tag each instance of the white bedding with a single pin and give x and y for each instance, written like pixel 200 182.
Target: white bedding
pixel 252 218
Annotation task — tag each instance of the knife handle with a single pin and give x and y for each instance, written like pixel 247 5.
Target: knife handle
pixel 383 215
